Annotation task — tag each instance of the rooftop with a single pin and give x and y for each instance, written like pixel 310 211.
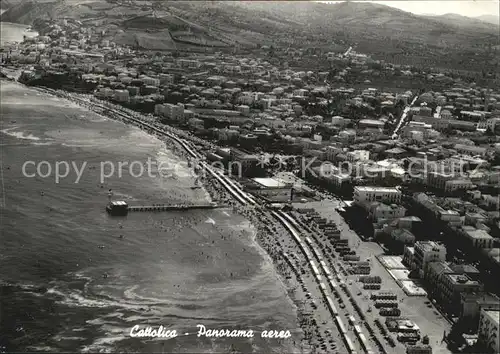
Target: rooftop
pixel 461 279
pixel 270 183
pixel 480 297
pixel 479 234
pixel 428 246
pixel 371 121
pixel 377 189
pixel 396 150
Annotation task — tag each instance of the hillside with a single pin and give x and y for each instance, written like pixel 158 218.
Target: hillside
pixel 370 27
pixel 463 21
pixel 5 4
pixel 374 20
pixel 493 19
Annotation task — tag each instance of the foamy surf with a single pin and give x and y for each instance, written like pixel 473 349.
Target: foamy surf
pixel 44 348
pixel 210 221
pixel 103 345
pixel 20 135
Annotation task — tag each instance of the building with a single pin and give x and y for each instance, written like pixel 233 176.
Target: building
pixel 149 81
pixel 378 211
pixel 492 123
pixel 438 180
pixel 488 333
pixel 470 150
pixel 396 153
pixel 122 95
pixel 340 121
pixel 458 184
pixel 448 284
pixel 174 112
pixel 347 136
pixel 436 123
pixel 273 190
pixel 479 238
pixel 450 288
pixel 196 123
pixel 226 134
pixel 473 303
pixel 426 252
pixel 248 165
pixel 371 123
pixel 435 271
pixel 404 236
pixel 364 195
pixel 166 79
pixel 358 155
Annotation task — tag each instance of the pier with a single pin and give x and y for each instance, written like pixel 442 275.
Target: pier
pixel 121 208
pixel 173 207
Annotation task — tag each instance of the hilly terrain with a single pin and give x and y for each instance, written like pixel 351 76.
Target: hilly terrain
pixel 493 19
pixel 478 23
pixel 383 31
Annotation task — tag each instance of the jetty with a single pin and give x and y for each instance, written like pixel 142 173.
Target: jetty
pixel 173 207
pixel 121 208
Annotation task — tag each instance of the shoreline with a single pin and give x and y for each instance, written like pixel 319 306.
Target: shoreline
pixel 217 192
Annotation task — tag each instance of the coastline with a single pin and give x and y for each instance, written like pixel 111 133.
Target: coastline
pixel 263 238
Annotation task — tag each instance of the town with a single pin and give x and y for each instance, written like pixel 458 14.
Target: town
pixel 408 157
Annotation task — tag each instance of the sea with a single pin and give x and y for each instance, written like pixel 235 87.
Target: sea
pixel 75 279
pixel 14 32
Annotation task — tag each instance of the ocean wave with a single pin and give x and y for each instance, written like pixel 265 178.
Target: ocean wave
pixel 61 338
pixel 103 345
pixel 78 298
pixel 19 135
pixel 44 143
pixel 44 348
pixel 79 145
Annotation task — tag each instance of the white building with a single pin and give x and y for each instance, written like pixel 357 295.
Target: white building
pixel 244 110
pixel 458 184
pixel 488 332
pixel 363 195
pixel 426 252
pixel 150 81
pixel 492 123
pixel 358 155
pixel 174 112
pixel 166 79
pixel 480 238
pixel 121 95
pixel 227 134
